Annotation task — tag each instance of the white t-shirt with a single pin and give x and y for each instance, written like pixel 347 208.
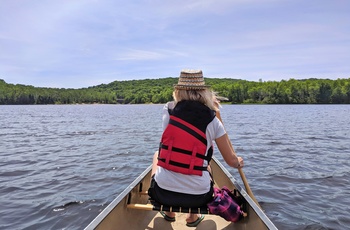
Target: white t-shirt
pixel 190 184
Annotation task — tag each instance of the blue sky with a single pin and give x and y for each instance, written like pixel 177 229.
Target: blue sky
pixel 81 43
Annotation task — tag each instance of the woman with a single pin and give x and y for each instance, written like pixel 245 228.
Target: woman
pixel 180 173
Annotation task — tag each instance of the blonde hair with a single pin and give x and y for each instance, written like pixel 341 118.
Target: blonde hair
pixel 205 96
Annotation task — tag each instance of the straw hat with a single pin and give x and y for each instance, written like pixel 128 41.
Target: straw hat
pixel 191 80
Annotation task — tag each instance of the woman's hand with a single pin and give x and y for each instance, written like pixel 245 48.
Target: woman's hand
pixel 240 163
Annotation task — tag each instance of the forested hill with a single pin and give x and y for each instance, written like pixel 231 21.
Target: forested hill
pixel 308 91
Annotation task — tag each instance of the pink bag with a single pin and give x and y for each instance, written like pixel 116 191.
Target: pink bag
pixel 225 204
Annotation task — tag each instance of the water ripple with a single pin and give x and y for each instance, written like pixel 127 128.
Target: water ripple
pixel 62 165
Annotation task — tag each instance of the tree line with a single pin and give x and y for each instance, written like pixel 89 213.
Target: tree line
pixel 292 91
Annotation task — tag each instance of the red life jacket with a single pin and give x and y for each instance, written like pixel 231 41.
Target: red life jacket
pixel 183 147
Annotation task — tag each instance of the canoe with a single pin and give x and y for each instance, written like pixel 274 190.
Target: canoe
pixel 119 215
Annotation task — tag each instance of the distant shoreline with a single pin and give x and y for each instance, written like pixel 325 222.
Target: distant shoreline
pixel 159 91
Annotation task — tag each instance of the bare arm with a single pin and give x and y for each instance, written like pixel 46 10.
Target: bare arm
pixel 228 153
pixel 226 149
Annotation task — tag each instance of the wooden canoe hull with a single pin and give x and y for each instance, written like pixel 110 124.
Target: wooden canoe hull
pixel 117 216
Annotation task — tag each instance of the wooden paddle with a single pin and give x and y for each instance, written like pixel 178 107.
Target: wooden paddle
pixel 241 173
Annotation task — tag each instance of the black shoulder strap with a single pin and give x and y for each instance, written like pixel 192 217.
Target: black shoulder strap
pixel 195 113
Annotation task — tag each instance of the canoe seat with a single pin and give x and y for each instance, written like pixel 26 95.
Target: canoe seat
pixel 154 206
pixel 159 207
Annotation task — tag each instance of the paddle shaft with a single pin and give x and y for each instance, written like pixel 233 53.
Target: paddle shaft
pixel 241 173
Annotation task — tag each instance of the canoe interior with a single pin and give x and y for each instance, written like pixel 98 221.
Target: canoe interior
pixel 117 216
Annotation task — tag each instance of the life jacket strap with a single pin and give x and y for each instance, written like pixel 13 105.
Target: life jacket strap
pixel 178 164
pixel 187 152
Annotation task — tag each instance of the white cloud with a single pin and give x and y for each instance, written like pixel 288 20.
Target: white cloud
pixel 88 41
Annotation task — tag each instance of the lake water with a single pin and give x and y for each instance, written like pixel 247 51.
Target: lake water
pixel 62 164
